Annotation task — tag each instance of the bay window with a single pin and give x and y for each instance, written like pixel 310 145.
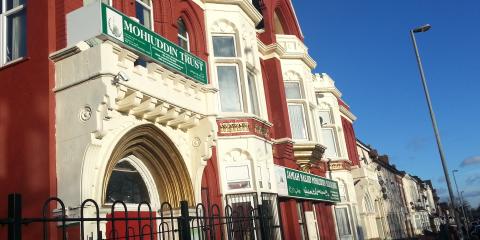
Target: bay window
pixel 238 176
pixel 296 110
pixel 343 223
pixel 325 118
pixel 224 46
pixel 260 176
pixel 238 87
pixel 12 30
pixel 297 121
pixel 143 12
pixel 328 133
pixel 252 90
pixel 292 90
pixel 230 97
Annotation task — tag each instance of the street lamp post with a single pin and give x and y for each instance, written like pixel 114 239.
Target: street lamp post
pixel 425 28
pixel 460 199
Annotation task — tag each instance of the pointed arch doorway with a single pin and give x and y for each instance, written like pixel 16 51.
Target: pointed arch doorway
pixel 159 170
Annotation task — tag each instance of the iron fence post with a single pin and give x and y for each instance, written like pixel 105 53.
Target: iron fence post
pixel 15 216
pixel 184 221
pixel 264 222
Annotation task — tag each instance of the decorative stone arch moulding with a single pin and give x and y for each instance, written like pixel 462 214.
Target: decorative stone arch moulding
pixel 224 26
pixel 147 143
pixel 237 155
pixel 325 106
pixel 292 75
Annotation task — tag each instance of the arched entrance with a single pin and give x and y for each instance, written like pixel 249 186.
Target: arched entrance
pixel 158 154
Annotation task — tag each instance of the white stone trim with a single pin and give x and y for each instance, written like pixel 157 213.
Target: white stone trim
pixel 245 5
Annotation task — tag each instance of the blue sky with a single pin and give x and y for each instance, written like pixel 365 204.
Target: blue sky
pixel 366 48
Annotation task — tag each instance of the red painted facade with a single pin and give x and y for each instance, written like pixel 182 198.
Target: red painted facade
pixel 351 141
pixel 278 115
pixel 27 157
pixel 211 194
pixel 27 106
pixel 27 102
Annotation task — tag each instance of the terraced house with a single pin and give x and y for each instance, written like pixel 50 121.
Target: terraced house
pixel 180 119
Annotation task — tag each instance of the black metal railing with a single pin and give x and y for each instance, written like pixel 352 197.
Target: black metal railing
pixel 125 221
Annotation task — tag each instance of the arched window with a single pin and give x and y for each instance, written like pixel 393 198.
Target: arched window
pixel 183 38
pixel 126 184
pixel 342 189
pixel 368 204
pixel 143 12
pixel 238 170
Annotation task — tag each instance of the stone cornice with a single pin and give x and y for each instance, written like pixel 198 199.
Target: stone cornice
pixel 282 140
pixel 331 90
pixel 338 165
pixel 243 126
pixel 69 51
pixel 276 50
pixel 308 154
pixel 347 113
pixel 245 5
pixel 247 116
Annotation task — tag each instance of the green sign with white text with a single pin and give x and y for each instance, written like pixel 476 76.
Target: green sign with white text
pixel 293 183
pixel 139 38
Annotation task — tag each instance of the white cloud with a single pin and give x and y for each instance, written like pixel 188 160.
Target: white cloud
pixel 470 161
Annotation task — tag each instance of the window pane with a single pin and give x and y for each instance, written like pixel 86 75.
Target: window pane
pixel 147 2
pixel 300 213
pixel 182 29
pixel 223 46
pixel 329 141
pixel 127 185
pixel 229 89
pixel 343 224
pixel 16 36
pixel 342 191
pixel 238 177
pixel 143 14
pixel 297 121
pixel 183 43
pixel 235 173
pixel 182 35
pixel 325 117
pixel 292 90
pixel 14 3
pixel 252 88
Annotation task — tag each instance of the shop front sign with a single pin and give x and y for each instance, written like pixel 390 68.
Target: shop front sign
pixel 100 20
pixel 297 184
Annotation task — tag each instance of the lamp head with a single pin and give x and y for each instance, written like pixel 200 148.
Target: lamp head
pixel 423 28
pixel 120 76
pixel 455 170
